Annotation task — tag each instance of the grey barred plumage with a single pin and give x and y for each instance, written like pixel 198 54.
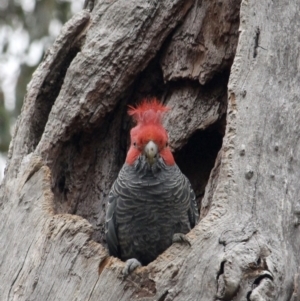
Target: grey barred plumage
pixel 147 205
pixel 151 203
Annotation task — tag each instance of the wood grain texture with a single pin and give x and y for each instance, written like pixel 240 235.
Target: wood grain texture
pixel 194 108
pixel 255 192
pixel 205 44
pixel 52 200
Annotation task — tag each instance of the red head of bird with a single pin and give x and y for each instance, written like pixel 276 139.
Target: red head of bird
pixel 149 137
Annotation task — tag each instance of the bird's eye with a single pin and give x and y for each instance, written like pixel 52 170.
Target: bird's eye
pixel 167 144
pixel 134 144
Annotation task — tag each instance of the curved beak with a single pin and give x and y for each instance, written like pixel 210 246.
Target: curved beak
pixel 151 150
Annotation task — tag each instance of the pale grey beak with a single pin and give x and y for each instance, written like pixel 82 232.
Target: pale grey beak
pixel 151 150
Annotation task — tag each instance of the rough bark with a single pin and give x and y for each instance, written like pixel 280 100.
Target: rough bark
pixel 71 140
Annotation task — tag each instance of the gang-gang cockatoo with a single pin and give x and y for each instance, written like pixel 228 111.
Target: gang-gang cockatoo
pixel 151 204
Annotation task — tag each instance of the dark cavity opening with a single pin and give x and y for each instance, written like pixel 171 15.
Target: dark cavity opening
pixel 90 160
pixel 197 158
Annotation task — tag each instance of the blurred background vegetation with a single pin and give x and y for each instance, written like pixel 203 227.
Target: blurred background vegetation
pixel 27 29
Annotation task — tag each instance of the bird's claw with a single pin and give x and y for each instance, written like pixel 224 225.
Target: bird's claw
pixel 181 238
pixel 130 266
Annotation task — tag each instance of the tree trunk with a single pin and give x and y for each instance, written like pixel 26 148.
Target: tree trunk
pixel 233 129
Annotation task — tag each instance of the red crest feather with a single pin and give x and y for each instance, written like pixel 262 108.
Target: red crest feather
pixel 148 115
pixel 148 111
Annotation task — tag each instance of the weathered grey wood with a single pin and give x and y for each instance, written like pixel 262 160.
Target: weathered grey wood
pixel 260 159
pixel 205 44
pixel 52 200
pixel 122 38
pixel 43 253
pixel 193 108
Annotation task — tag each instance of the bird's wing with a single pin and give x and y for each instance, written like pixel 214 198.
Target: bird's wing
pixel 182 195
pixel 110 225
pixel 120 202
pixel 185 193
